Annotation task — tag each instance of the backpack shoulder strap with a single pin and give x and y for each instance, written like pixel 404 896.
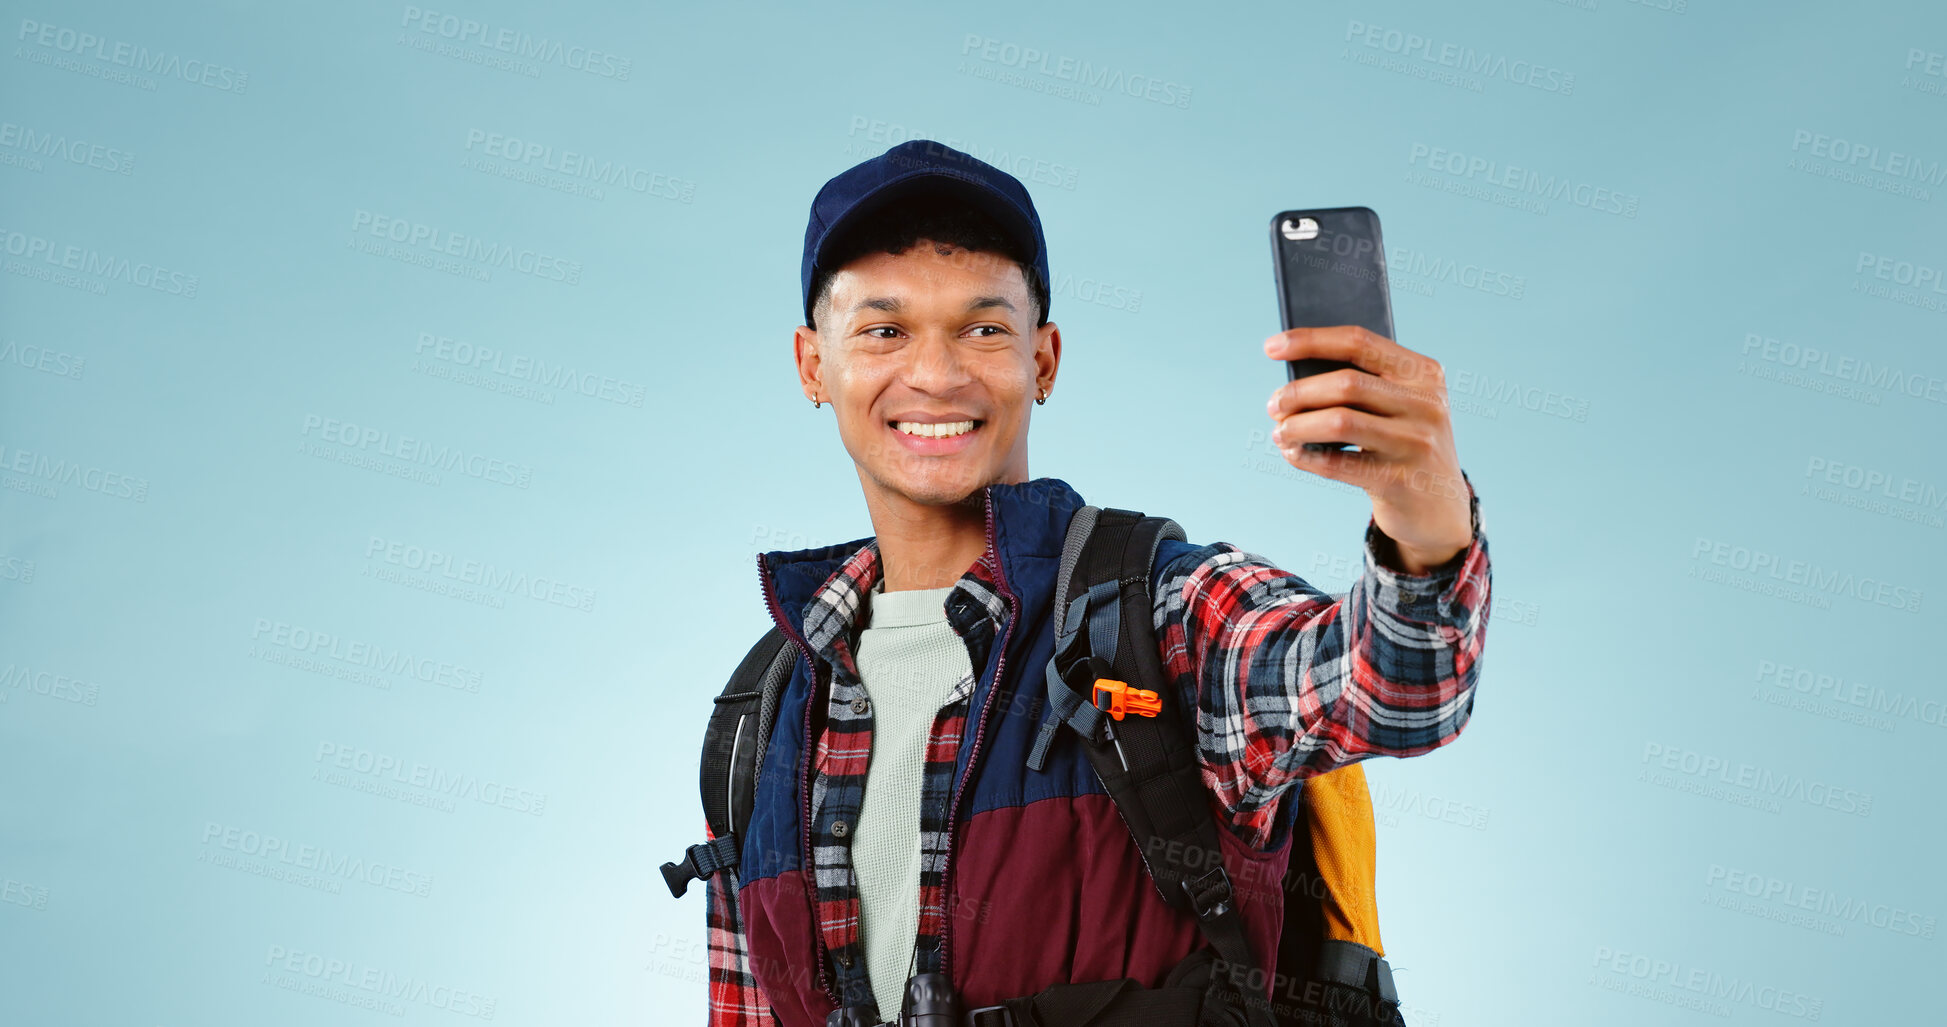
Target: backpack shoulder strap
pixel 1106 682
pixel 733 749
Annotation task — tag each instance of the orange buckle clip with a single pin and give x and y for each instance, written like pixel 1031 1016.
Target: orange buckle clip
pixel 1124 699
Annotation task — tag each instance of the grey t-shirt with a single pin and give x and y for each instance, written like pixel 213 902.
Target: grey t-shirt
pixel 909 659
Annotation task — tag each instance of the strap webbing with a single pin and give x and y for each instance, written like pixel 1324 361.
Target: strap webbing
pixel 1089 626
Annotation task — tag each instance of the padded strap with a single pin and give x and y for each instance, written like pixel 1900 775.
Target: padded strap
pixel 1147 764
pixel 733 746
pixel 728 770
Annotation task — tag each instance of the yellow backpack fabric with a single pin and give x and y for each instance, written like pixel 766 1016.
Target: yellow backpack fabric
pixel 1338 818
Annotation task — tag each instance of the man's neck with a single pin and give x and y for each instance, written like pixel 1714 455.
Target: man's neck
pixel 923 546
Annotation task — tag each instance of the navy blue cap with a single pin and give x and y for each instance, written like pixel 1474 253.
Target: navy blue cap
pixel 922 166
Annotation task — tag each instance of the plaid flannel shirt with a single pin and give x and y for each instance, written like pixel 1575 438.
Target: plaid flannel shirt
pixel 1287 682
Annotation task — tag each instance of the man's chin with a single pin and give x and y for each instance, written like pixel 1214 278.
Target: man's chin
pixel 936 490
pixel 942 495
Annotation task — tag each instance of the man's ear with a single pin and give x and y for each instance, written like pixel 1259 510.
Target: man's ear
pixel 804 349
pixel 1047 352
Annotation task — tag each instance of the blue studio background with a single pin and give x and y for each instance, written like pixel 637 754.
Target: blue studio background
pixel 265 723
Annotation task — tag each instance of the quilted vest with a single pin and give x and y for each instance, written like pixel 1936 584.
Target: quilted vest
pixel 1044 884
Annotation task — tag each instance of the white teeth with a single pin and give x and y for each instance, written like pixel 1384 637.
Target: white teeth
pixel 935 431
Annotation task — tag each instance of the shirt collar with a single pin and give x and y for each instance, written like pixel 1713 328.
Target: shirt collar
pixel 820 596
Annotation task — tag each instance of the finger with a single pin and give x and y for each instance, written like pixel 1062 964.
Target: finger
pixel 1353 344
pixel 1351 387
pixel 1380 437
pixel 1347 465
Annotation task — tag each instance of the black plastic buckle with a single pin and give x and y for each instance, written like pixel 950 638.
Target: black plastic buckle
pixel 700 861
pixel 990 1016
pixel 1350 965
pixel 1380 983
pixel 1209 893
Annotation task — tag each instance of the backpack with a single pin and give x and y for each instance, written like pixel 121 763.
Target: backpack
pixel 1329 969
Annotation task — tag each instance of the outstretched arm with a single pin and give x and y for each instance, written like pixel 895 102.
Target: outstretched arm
pixel 1287 681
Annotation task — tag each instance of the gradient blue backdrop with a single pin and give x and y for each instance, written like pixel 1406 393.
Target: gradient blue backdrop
pixel 263 759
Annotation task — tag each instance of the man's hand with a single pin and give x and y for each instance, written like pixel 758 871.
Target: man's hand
pixel 1392 404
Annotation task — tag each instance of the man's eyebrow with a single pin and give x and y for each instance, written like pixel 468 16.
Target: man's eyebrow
pixel 991 301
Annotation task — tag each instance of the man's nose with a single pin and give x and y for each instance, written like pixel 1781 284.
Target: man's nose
pixel 935 364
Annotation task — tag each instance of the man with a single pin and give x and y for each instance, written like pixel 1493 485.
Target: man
pixel 897 829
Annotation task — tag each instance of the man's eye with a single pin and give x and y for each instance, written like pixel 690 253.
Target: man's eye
pixel 996 329
pixel 881 328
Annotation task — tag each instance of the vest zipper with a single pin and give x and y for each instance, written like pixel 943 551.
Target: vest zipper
pixel 980 733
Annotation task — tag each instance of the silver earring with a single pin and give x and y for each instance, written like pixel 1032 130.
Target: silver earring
pixel 815 404
pixel 1041 397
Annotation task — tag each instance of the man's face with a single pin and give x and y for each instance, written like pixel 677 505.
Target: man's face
pixel 913 346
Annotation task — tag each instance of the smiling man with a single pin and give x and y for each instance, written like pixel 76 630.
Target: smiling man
pixel 899 827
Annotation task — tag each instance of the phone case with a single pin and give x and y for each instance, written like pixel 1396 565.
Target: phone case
pixel 1337 278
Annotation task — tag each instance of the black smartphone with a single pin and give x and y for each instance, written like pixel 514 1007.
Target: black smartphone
pixel 1331 270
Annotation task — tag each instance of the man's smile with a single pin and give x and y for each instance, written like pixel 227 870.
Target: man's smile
pixel 940 430
pixel 935 434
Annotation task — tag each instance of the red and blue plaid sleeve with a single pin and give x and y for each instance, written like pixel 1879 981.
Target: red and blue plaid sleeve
pixel 735 998
pixel 1288 682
